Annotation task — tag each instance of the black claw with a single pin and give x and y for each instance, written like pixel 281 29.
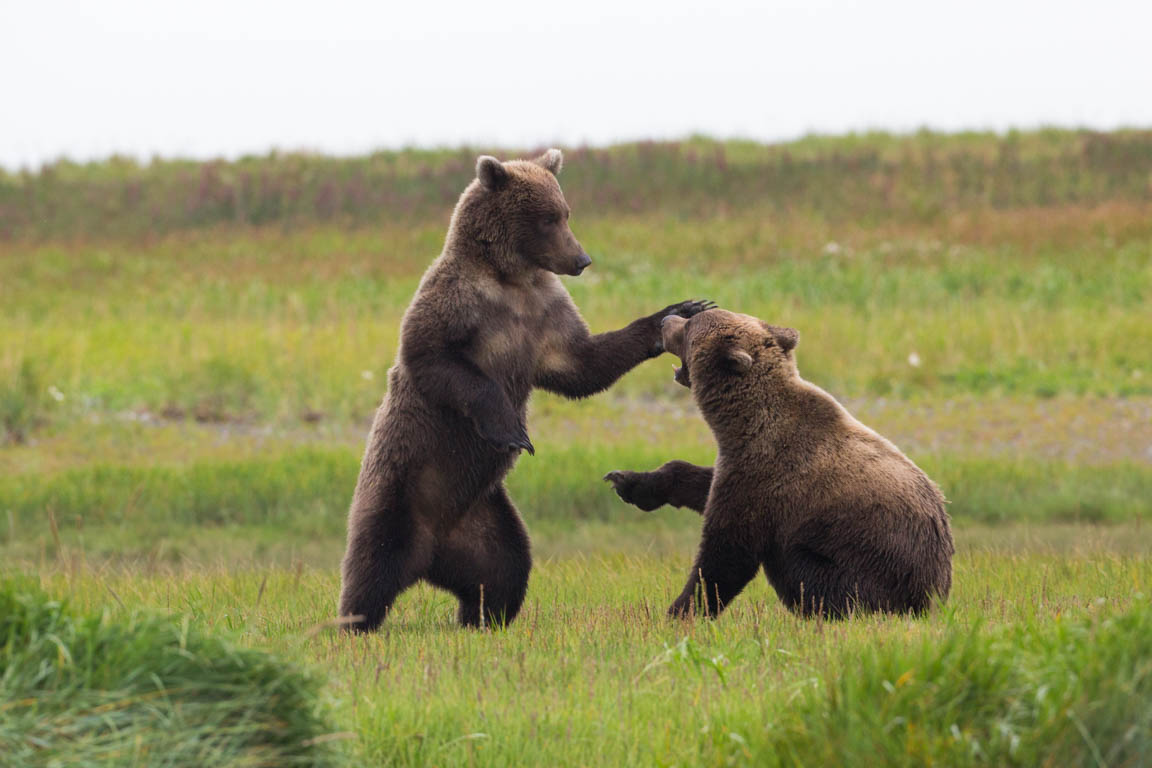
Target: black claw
pixel 519 442
pixel 620 485
pixel 692 308
pixel 525 443
pixel 616 477
pixel 519 445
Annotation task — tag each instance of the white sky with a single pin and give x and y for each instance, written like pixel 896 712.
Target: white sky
pixel 86 79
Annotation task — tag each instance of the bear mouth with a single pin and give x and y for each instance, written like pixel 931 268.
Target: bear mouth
pixel 680 375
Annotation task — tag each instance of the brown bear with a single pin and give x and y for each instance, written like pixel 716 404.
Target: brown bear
pixel 489 322
pixel 839 518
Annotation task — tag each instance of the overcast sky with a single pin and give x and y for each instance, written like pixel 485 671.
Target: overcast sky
pixel 211 78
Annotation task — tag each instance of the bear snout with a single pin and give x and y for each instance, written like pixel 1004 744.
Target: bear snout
pixel 583 261
pixel 672 334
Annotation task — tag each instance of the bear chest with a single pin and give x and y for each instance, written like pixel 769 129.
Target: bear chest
pixel 508 349
pixel 516 322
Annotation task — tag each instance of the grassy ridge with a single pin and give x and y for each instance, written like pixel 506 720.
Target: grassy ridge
pixel 1038 658
pixel 872 177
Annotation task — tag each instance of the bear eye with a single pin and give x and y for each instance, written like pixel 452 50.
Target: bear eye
pixel 554 219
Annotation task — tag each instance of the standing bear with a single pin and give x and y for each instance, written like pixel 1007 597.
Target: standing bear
pixel 489 322
pixel 839 518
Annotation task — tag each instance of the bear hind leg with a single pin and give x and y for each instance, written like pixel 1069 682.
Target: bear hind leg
pixel 814 584
pixel 386 554
pixel 485 561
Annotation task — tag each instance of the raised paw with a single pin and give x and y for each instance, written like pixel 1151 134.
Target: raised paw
pixel 690 308
pixel 636 488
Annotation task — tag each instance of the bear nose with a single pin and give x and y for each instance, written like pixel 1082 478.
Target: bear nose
pixel 583 262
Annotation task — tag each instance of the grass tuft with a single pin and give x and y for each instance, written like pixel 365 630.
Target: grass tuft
pixel 24 402
pixel 1071 693
pixel 93 691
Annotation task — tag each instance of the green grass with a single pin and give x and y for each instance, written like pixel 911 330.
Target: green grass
pixel 142 690
pixel 272 328
pixel 115 509
pixel 1039 655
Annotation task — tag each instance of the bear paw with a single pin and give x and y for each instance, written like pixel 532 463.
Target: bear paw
pixel 689 308
pixel 636 489
pixel 683 309
pixel 508 442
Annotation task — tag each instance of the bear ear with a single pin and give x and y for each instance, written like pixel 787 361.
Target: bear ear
pixel 552 160
pixel 491 172
pixel 737 361
pixel 787 338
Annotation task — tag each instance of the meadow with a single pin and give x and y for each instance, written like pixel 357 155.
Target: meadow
pixel 190 354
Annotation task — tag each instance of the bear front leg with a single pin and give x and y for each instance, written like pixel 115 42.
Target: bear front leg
pixel 723 567
pixel 499 425
pixel 580 365
pixel 451 380
pixel 677 483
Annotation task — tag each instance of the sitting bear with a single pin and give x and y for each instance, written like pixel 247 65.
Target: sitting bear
pixel 840 519
pixel 489 322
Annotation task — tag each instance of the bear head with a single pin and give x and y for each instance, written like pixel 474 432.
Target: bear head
pixel 517 213
pixel 721 349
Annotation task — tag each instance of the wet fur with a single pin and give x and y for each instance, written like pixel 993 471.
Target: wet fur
pixel 837 516
pixel 489 322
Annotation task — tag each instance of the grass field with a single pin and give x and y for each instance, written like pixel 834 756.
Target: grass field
pixel 1041 657
pixel 190 356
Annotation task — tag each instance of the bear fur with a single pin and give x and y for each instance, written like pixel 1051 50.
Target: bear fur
pixel 489 322
pixel 838 517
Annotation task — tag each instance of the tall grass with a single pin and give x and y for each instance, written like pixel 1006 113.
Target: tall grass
pixel 1071 693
